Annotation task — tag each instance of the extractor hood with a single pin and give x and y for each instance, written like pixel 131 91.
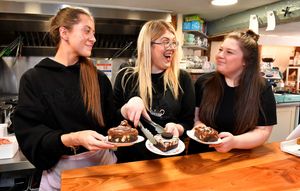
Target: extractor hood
pixel 115 28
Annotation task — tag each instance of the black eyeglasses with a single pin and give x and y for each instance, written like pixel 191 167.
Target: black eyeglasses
pixel 167 44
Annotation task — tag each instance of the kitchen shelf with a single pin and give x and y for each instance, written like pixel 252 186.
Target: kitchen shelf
pixel 194 47
pixel 197 33
pixel 202 45
pixel 197 71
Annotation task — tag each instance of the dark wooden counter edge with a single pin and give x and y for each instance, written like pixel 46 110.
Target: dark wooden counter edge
pixel 185 167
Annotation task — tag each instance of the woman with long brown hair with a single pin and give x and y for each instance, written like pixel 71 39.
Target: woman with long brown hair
pixel 235 100
pixel 65 104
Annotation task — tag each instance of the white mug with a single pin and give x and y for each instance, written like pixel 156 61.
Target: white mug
pixel 3 129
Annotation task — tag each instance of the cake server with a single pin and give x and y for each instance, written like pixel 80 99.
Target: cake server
pixel 147 133
pixel 158 128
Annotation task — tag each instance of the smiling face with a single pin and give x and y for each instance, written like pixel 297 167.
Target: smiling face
pixel 162 52
pixel 230 59
pixel 80 37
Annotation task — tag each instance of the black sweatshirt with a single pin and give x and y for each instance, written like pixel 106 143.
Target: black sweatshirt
pixel 165 109
pixel 50 104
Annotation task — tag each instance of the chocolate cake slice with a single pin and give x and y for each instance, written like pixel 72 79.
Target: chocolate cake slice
pixel 206 134
pixel 166 141
pixel 124 133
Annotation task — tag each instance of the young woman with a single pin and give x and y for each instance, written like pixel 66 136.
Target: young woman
pixel 65 104
pixel 155 88
pixel 235 100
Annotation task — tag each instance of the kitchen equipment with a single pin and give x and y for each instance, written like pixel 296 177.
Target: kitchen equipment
pixel 198 41
pixel 268 63
pixel 3 129
pixel 9 150
pixel 158 128
pixel 5 112
pixel 121 50
pixel 7 108
pixel 147 133
pixel 191 39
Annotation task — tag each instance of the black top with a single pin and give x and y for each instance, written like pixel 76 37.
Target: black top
pixel 50 104
pixel 165 109
pixel 225 116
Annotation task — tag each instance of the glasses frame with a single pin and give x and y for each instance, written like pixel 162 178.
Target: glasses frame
pixel 167 45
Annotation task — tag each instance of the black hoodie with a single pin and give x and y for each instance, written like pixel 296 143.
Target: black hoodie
pixel 50 104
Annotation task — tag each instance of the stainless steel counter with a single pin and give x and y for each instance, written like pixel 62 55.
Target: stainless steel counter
pixel 18 162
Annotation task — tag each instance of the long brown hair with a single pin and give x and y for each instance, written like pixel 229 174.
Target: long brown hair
pixel 90 88
pixel 248 105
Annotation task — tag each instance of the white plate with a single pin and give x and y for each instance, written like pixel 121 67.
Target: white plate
pixel 191 133
pixel 294 134
pixel 179 149
pixel 9 150
pixel 140 139
pixel 290 147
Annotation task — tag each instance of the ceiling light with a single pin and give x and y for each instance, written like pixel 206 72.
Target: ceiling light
pixel 223 2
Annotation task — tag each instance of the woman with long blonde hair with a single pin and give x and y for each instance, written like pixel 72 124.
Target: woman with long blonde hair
pixel 155 88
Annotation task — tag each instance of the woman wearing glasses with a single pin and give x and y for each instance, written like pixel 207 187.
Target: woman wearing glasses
pixel 155 88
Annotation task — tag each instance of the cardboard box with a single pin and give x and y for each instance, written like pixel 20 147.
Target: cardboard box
pixel 9 150
pixel 192 25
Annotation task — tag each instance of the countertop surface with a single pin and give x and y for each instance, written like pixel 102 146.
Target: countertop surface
pixel 18 162
pixel 263 168
pixel 287 98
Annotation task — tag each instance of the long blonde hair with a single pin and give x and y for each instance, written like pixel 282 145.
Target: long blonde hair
pixel 90 88
pixel 150 32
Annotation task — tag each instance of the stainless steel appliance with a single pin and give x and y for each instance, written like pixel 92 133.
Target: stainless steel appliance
pixel 115 28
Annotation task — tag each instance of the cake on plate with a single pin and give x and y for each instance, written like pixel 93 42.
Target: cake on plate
pixel 206 134
pixel 124 133
pixel 166 141
pixel 4 141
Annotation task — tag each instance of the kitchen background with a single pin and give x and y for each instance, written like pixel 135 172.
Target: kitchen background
pixel 24 40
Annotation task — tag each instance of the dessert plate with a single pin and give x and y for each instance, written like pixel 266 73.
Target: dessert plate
pixel 179 149
pixel 291 147
pixel 191 133
pixel 140 139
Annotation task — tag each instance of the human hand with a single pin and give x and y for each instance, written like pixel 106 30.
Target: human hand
pixel 133 110
pixel 89 139
pixel 227 142
pixel 174 128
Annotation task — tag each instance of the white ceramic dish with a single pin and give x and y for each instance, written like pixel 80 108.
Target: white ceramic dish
pixel 140 139
pixel 9 150
pixel 290 147
pixel 294 134
pixel 191 133
pixel 179 149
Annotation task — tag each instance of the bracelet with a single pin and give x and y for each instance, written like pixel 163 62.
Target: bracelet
pixel 74 149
